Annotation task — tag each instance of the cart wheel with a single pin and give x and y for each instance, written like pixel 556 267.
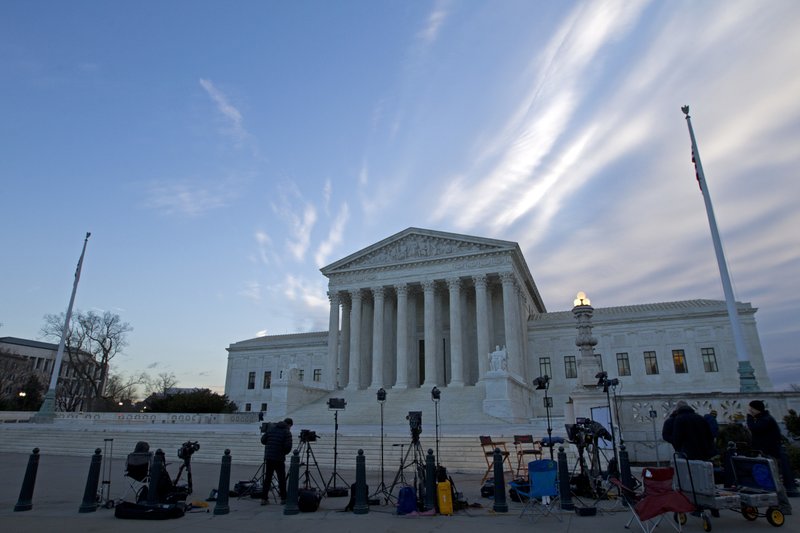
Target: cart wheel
pixel 110 504
pixel 775 517
pixel 706 523
pixel 749 512
pixel 680 518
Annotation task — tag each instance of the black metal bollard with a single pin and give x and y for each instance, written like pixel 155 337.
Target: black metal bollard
pixel 361 505
pixel 789 482
pixel 156 471
pixel 500 503
pixel 293 485
pixel 224 486
pixel 89 504
pixel 727 465
pixel 24 503
pixel 564 490
pixel 430 480
pixel 625 472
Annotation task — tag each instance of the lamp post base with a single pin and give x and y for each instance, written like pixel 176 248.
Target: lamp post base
pixel 47 412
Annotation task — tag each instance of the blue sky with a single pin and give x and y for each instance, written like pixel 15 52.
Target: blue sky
pixel 222 152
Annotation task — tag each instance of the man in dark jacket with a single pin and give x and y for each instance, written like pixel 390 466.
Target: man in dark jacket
pixel 691 434
pixel 278 442
pixel 766 435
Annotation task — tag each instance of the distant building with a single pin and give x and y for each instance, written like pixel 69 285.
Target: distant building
pixel 39 357
pixel 425 308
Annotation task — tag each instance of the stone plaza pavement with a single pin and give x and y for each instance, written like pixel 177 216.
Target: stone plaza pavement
pixel 61 481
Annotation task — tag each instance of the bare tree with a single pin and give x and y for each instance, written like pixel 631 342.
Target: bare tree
pixel 14 373
pixel 92 342
pixel 121 388
pixel 161 384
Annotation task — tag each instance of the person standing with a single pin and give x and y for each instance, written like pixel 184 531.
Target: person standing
pixel 278 442
pixel 691 435
pixel 766 438
pixel 711 420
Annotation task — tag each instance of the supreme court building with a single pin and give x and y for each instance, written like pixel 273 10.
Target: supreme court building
pixel 426 308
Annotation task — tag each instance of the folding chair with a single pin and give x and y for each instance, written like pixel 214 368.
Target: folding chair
pixel 658 499
pixel 525 445
pixel 137 471
pixel 541 494
pixel 489 446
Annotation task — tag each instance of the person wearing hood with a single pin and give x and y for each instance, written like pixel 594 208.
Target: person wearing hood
pixel 691 435
pixel 278 442
pixel 766 437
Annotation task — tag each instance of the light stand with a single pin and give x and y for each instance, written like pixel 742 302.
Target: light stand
pixel 436 395
pixel 336 405
pixel 607 384
pixel 387 495
pixel 543 383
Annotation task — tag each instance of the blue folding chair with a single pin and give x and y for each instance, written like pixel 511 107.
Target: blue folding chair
pixel 541 493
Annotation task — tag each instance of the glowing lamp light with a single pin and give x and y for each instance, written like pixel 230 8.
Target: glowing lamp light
pixel 581 299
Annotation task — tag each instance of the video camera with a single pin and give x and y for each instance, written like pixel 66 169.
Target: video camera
pixel 187 449
pixel 415 424
pixel 306 435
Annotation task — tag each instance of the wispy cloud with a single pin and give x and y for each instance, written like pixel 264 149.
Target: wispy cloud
pixel 435 20
pixel 300 216
pixel 263 242
pixel 252 291
pixel 335 236
pixel 188 197
pixel 231 114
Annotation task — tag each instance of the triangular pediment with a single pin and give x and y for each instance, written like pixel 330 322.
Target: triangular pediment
pixel 416 245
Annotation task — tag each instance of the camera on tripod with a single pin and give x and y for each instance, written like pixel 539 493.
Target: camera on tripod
pixel 306 435
pixel 187 449
pixel 415 423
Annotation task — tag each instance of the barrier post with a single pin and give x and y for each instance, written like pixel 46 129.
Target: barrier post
pixel 156 471
pixel 500 503
pixel 224 486
pixel 564 490
pixel 430 480
pixel 292 488
pixel 89 504
pixel 25 501
pixel 361 505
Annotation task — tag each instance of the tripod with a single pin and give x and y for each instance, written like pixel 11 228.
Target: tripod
pixel 417 463
pixel 308 477
pixel 187 465
pixel 330 487
pixel 387 494
pixel 258 481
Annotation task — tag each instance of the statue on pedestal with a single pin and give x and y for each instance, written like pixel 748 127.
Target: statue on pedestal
pixel 498 360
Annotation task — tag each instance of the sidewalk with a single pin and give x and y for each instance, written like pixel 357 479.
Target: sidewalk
pixel 61 481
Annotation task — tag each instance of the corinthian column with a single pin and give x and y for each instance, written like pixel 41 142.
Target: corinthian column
pixel 333 340
pixel 377 338
pixel 456 351
pixel 430 334
pixel 511 319
pixel 482 323
pixel 402 336
pixel 355 341
pixel 344 353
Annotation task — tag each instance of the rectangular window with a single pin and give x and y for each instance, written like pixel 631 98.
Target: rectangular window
pixel 247 407
pixel 709 360
pixel 650 363
pixel 267 379
pixel 317 374
pixel 679 360
pixel 251 380
pixel 544 367
pixel 570 366
pixel 263 407
pixel 623 364
pixel 300 374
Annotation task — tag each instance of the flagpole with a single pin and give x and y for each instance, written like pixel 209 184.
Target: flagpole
pixel 47 410
pixel 747 379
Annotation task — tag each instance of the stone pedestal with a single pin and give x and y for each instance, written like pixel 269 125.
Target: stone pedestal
pixel 507 397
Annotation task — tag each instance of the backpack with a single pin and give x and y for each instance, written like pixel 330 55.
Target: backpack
pixel 487 490
pixel 406 500
pixel 308 500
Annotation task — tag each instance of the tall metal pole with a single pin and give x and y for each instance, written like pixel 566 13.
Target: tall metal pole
pixel 47 412
pixel 747 380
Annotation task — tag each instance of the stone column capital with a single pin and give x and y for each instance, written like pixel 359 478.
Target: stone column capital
pixel 334 297
pixel 480 280
pixel 453 283
pixel 508 277
pixel 428 286
pixel 378 292
pixel 401 288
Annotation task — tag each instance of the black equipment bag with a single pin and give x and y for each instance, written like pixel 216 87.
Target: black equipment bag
pixel 487 490
pixel 514 495
pixel 136 511
pixel 308 500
